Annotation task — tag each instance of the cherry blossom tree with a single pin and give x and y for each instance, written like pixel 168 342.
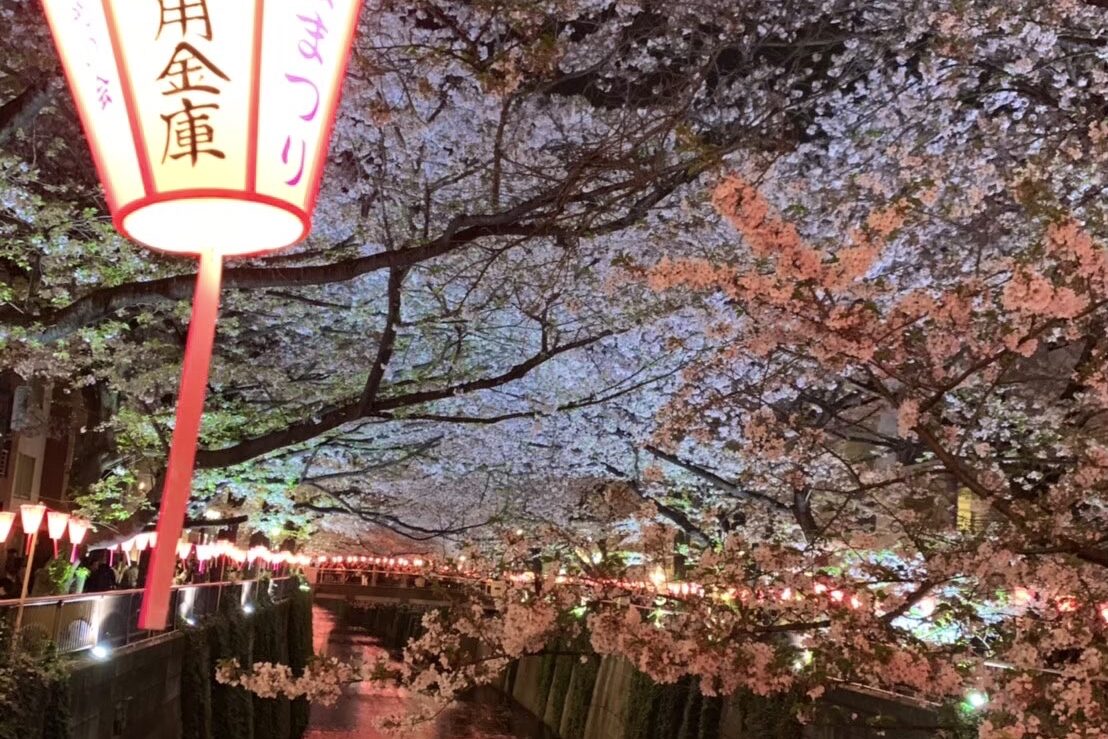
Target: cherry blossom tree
pixel 779 285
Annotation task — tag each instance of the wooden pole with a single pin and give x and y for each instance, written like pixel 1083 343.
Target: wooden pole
pixel 26 581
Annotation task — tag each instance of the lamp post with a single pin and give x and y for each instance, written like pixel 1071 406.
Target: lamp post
pixel 209 123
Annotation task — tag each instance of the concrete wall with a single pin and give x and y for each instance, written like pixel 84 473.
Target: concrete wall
pixel 620 703
pixel 134 695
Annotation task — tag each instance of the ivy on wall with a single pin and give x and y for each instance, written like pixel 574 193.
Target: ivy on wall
pixel 34 691
pixel 274 632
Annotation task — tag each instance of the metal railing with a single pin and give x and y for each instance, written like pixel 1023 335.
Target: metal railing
pixel 75 623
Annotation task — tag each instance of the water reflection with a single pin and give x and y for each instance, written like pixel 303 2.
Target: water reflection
pixel 357 713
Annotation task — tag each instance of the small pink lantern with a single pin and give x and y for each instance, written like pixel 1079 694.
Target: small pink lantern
pixel 77 530
pixel 30 516
pixel 56 522
pixel 7 520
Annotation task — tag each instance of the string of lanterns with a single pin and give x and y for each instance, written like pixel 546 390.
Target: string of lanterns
pixel 58 523
pixel 657 584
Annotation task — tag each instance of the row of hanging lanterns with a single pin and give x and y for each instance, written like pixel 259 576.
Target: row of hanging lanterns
pixel 209 123
pixel 657 584
pixel 58 523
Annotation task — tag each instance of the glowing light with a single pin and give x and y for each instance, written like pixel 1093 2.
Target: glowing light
pixel 212 514
pixel 976 699
pixel 30 516
pixel 77 531
pixel 837 596
pixel 1066 604
pixel 101 652
pixel 56 522
pixel 1104 612
pixel 184 549
pixel 1021 596
pixel 7 520
pixel 248 608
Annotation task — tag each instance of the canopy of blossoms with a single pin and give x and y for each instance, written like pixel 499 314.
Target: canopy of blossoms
pixel 768 337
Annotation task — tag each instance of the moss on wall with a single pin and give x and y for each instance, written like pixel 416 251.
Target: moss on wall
pixel 196 686
pixel 275 633
pixel 559 686
pixel 299 641
pixel 579 698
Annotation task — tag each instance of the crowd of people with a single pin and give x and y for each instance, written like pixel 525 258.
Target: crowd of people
pixel 101 574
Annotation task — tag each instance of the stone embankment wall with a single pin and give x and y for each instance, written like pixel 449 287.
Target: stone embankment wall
pixel 594 698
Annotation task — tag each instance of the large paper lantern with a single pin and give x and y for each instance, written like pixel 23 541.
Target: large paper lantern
pixel 209 122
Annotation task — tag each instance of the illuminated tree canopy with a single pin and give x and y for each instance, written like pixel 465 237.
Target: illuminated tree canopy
pixel 788 281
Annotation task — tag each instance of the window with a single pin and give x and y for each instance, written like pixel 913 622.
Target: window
pixel 972 512
pixel 24 475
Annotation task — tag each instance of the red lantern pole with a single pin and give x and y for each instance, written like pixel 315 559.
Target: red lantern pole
pixel 182 452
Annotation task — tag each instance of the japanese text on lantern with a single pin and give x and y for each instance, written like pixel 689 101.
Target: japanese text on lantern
pixel 101 77
pixel 190 82
pixel 294 153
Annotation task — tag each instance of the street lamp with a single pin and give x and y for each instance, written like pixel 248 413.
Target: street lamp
pixel 209 123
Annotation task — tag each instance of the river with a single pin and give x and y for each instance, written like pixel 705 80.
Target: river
pixel 361 707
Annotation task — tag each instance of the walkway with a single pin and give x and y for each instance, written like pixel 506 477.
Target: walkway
pixel 363 706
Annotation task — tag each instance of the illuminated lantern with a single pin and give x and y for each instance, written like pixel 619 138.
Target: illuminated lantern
pixel 56 522
pixel 140 542
pixel 209 123
pixel 30 517
pixel 77 531
pixel 7 520
pixel 184 549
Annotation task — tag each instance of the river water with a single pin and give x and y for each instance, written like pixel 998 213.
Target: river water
pixel 362 706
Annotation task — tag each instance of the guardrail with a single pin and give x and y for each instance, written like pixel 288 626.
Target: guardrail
pixel 75 623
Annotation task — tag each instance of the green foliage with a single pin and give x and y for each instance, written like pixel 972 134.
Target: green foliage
pixel 196 686
pixel 232 707
pixel 690 720
pixel 642 707
pixel 711 708
pixel 56 577
pixel 279 633
pixel 579 697
pixel 671 709
pixel 270 625
pixel 559 687
pixel 546 679
pixel 34 691
pixel 114 497
pixel 771 717
pixel 300 651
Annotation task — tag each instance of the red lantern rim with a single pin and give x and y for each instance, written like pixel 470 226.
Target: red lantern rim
pixel 225 251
